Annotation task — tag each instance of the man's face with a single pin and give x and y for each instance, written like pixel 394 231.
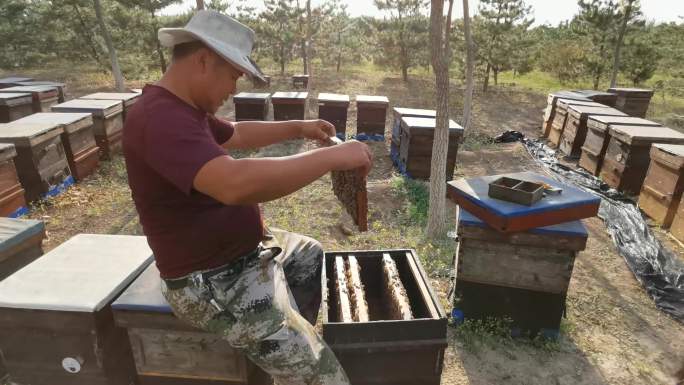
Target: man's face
pixel 217 81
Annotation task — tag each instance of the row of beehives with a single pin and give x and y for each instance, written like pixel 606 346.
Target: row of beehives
pixel 44 152
pixel 631 154
pixel 91 312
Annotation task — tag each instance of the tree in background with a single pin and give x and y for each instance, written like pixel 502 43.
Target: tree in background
pixel 629 15
pixel 596 22
pixel 402 35
pixel 342 38
pixel 503 25
pixel 641 56
pixel 152 7
pixel 116 70
pixel 560 52
pixel 440 47
pixel 278 30
pixel 470 68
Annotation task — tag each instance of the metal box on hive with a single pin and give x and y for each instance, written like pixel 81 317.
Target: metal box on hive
pixel 43 97
pixel 250 106
pixel 522 276
pixel 572 204
pixel 551 103
pixel 127 98
pixel 575 130
pixel 13 81
pixel 61 87
pixel 560 116
pixel 398 113
pixel 664 183
pixel 167 350
pixel 20 243
pixel 41 161
pixel 56 322
pixel 15 105
pixel 12 198
pixel 371 114
pixel 289 105
pixel 78 139
pixel 107 121
pixel 628 154
pixel 382 349
pixel 333 108
pixel 415 152
pixel 632 101
pixel 598 137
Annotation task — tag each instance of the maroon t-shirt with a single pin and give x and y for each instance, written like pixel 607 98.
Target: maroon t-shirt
pixel 166 142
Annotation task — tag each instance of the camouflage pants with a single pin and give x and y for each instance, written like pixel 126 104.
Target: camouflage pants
pixel 258 311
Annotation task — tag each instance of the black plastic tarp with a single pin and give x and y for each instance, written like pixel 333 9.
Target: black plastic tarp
pixel 658 270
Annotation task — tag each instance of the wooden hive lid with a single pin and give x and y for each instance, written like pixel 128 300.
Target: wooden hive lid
pixel 670 154
pixel 7 151
pixel 15 98
pixel 413 122
pixel 22 133
pixel 326 97
pixel 14 79
pixel 626 91
pixel 300 76
pixel 39 91
pixel 122 96
pixel 605 120
pixel 569 95
pixel 290 95
pixel 563 103
pixel 136 90
pixel 82 274
pixel 70 121
pixel 144 294
pixel 416 112
pixel 42 83
pixel 645 135
pixel 583 111
pixel 252 95
pixel 372 99
pixel 13 232
pixel 99 108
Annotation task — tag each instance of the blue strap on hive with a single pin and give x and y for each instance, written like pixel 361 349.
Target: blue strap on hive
pixel 15 231
pixel 20 212
pixel 572 228
pixel 475 190
pixel 369 137
pixel 60 188
pixel 144 294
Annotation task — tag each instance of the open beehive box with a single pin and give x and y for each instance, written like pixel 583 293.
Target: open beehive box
pixel 400 337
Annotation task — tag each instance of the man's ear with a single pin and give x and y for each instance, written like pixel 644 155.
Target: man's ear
pixel 204 60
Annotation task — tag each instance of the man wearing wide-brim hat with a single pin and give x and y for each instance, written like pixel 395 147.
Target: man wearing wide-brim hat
pixel 222 270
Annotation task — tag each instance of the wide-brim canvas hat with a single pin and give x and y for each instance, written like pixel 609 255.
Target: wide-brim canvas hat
pixel 226 36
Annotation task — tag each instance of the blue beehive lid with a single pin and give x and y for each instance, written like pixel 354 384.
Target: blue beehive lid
pixel 15 231
pixel 568 229
pixel 572 204
pixel 144 294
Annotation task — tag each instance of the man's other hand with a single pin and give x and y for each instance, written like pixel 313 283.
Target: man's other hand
pixel 317 129
pixel 352 154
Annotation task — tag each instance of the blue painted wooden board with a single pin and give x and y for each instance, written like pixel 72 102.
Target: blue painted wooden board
pixel 572 228
pixel 572 204
pixel 144 294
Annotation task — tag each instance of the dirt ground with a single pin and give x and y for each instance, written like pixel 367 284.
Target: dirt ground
pixel 613 333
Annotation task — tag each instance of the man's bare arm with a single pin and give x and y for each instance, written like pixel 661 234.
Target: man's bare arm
pixel 248 181
pixel 260 134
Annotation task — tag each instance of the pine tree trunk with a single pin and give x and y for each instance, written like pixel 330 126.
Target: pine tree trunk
pixel 470 68
pixel 282 59
pixel 200 4
pixel 495 70
pixel 618 44
pixel 439 36
pixel 116 70
pixel 486 78
pixel 160 51
pixel 307 46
